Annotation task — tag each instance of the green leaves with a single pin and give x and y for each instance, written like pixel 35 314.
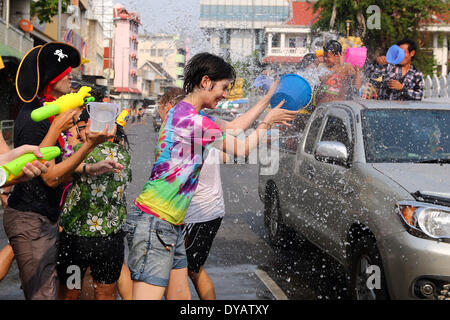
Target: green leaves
pixel 45 10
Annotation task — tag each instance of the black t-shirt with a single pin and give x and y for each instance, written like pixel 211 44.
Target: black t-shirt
pixel 34 195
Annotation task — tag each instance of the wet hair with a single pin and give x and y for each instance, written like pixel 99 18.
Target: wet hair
pixel 84 116
pixel 308 59
pixel 333 46
pixel 206 64
pixel 121 136
pixel 412 45
pixel 98 94
pixel 172 95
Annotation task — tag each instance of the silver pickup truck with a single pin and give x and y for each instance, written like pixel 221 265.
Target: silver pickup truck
pixel 368 182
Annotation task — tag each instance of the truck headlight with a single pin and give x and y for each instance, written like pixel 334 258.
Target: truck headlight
pixel 435 223
pixel 428 219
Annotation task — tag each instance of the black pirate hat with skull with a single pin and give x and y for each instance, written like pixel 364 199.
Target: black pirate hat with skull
pixel 44 65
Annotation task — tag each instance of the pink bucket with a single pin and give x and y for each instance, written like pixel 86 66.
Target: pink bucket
pixel 356 56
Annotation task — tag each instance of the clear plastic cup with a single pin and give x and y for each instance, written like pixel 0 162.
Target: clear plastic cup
pixel 102 114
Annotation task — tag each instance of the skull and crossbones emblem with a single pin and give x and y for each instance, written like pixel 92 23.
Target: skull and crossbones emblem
pixel 60 54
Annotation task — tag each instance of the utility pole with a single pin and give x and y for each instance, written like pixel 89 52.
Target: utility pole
pixel 59 19
pixel 7 13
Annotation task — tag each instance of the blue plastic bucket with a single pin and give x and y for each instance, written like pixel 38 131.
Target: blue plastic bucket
pixel 295 90
pixel 395 54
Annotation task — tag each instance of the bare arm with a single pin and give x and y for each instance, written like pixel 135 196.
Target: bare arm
pixel 242 148
pixel 62 172
pixel 246 120
pixel 357 78
pixel 62 122
pixel 3 146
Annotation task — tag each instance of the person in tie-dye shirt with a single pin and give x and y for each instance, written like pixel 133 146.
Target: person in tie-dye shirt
pixel 157 258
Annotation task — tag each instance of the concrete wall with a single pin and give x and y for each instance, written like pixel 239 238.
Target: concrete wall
pixel 121 49
pixel 243 44
pixel 161 49
pixel 19 9
pixel 95 48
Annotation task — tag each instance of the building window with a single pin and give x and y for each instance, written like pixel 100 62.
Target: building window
pixel 292 43
pixel 276 40
pixel 225 36
pixel 153 52
pixel 160 52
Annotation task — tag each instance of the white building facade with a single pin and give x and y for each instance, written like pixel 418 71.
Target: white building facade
pixel 235 28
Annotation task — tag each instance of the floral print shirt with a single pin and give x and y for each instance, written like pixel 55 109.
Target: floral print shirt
pixel 95 205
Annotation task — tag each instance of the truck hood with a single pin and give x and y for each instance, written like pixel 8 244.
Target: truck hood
pixel 428 178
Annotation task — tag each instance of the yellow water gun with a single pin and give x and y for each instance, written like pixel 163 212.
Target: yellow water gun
pixel 64 103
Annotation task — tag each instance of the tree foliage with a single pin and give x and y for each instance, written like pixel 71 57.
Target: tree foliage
pixel 45 10
pixel 399 19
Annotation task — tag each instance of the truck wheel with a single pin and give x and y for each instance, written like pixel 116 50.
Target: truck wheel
pixel 278 233
pixel 367 279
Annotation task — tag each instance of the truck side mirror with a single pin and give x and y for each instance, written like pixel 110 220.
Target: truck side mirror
pixel 332 152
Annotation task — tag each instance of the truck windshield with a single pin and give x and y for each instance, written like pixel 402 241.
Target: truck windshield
pixel 406 135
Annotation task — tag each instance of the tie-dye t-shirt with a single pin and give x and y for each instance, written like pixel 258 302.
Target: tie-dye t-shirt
pixel 183 145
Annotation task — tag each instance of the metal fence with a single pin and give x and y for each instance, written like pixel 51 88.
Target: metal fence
pixel 437 87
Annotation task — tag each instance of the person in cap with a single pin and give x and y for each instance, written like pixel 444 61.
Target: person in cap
pixel 30 220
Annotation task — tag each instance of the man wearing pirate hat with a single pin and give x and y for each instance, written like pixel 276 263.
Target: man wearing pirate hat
pixel 30 220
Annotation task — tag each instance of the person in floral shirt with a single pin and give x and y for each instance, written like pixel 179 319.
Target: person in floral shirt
pixel 92 217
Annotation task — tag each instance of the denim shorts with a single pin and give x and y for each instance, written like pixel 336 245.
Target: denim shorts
pixel 156 247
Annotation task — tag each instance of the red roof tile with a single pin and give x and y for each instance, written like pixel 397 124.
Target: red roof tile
pixel 281 59
pixel 303 14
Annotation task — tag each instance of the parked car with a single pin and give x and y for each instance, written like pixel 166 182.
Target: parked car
pixel 151 109
pixel 368 182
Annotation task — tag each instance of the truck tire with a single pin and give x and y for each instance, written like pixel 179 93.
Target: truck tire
pixel 279 234
pixel 367 284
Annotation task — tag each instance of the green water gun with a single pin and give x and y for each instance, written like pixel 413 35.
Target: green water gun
pixel 63 103
pixel 13 170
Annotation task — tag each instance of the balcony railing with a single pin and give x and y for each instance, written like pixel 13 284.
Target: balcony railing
pixel 287 52
pixel 15 39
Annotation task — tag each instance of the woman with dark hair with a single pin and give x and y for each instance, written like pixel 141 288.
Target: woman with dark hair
pixel 92 215
pixel 185 139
